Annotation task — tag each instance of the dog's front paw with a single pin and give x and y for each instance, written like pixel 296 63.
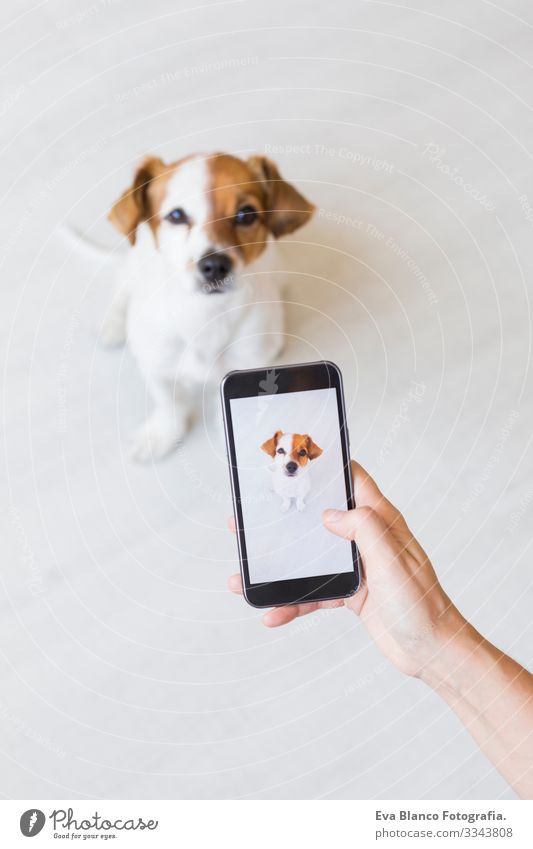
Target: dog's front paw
pixel 300 504
pixel 155 439
pixel 285 505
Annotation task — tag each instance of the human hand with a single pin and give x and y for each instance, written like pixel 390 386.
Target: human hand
pixel 401 603
pixel 407 613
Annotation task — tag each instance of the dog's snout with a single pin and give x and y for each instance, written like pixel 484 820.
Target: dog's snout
pixel 291 467
pixel 215 266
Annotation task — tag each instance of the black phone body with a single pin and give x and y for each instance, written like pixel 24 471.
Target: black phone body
pixel 288 454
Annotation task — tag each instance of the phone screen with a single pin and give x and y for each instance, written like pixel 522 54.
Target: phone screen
pixel 290 467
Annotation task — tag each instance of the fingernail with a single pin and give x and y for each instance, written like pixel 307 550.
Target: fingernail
pixel 268 618
pixel 332 516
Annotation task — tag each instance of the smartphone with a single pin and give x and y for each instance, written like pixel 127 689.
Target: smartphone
pixel 288 454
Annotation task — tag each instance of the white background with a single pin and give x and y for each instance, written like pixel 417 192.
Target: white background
pixel 294 544
pixel 127 668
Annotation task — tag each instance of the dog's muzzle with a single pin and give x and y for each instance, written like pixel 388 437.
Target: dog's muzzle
pixel 291 469
pixel 215 269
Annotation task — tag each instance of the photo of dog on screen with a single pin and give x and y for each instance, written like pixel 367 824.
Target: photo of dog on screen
pixel 290 469
pixel 290 477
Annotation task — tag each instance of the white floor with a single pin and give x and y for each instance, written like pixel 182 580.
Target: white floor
pixel 127 669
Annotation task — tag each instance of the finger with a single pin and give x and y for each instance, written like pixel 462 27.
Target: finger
pixel 235 584
pixel 283 615
pixel 368 494
pixel 362 525
pixel 356 602
pixel 231 523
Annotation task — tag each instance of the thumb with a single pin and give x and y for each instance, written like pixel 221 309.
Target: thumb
pixel 362 525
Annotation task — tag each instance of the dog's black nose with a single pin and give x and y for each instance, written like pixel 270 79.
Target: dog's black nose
pixel 215 266
pixel 291 467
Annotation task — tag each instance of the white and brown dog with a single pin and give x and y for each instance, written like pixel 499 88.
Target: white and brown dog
pixel 291 453
pixel 186 302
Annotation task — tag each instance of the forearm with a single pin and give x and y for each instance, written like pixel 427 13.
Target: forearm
pixel 491 694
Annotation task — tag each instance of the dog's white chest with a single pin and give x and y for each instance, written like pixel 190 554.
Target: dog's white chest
pixel 175 335
pixel 287 487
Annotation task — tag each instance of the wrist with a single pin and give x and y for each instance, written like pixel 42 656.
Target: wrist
pixel 458 657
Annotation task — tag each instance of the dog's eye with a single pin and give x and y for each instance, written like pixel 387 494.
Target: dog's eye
pixel 246 215
pixel 176 216
pixel 302 453
pixel 280 451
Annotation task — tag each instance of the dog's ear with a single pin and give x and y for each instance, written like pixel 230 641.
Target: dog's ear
pixel 285 208
pixel 313 451
pixel 133 206
pixel 271 444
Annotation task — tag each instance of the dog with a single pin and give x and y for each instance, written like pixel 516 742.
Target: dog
pixel 292 453
pixel 194 299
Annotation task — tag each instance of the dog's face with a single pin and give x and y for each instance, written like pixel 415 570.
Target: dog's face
pixel 291 451
pixel 210 216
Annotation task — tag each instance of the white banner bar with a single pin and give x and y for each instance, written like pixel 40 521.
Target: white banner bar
pixel 267 824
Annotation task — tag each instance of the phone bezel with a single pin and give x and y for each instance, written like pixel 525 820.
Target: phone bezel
pixel 289 379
